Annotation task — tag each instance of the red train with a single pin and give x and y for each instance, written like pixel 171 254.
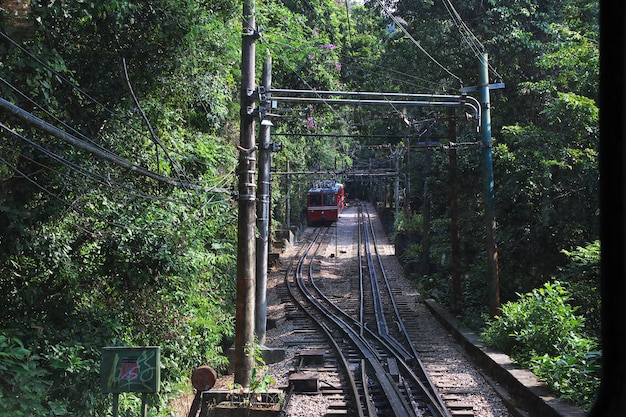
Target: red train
pixel 324 203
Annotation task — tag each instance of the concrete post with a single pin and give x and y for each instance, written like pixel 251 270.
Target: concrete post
pixel 244 316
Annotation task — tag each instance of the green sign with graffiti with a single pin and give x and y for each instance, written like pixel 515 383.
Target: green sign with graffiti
pixel 130 369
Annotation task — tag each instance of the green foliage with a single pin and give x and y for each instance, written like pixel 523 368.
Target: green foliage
pixel 260 379
pixel 542 332
pixel 93 255
pixel 583 276
pixel 576 377
pixel 170 286
pixel 433 286
pixel 408 223
pixel 548 198
pixel 24 383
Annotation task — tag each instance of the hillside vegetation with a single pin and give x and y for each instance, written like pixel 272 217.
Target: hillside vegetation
pixel 122 230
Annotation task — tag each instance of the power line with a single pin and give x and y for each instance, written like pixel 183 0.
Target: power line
pixel 65 125
pixel 72 206
pixel 179 172
pixel 416 43
pixel 176 169
pixel 55 196
pixel 222 179
pixel 106 181
pixel 55 72
pixel 104 154
pixel 466 33
pixel 387 70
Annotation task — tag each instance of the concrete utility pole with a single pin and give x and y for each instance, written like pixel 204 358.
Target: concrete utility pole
pixel 488 184
pixel 244 317
pixel 263 211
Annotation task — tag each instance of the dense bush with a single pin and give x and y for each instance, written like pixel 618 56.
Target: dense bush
pixel 24 382
pixel 582 273
pixel 542 332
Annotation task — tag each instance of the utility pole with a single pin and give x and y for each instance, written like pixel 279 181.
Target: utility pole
pixel 488 184
pixel 288 193
pixel 454 216
pixel 263 209
pixel 426 206
pixel 244 316
pixel 396 186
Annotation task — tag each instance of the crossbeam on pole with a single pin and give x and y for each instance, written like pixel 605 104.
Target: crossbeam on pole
pixel 366 98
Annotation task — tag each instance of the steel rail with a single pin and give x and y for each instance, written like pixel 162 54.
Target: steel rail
pixel 351 381
pixel 416 396
pixel 400 322
pixel 381 321
pixel 395 399
pixel 428 387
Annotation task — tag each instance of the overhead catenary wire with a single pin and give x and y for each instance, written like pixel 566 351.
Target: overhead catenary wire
pixel 328 102
pixel 472 41
pixel 402 77
pixel 393 105
pixel 82 92
pixel 267 36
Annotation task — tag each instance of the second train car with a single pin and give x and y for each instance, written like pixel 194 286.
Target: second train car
pixel 324 203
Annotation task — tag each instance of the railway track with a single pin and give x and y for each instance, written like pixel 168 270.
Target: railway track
pixel 357 326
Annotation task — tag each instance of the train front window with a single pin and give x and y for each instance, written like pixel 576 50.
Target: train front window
pixel 329 199
pixel 315 199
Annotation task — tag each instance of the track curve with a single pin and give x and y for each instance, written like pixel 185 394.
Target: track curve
pixel 377 369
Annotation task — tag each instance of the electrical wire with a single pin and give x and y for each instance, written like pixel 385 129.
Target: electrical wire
pixel 466 33
pixel 180 173
pixel 73 207
pixel 56 119
pixel 305 82
pixel 389 14
pixel 126 190
pixel 99 179
pixel 97 102
pixel 93 143
pixel 475 45
pixel 395 110
pixel 70 206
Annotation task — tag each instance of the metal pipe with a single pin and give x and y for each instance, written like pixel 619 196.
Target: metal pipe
pixel 367 94
pixel 262 218
pixel 488 184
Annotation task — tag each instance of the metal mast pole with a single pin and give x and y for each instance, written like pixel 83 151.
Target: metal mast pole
pixel 263 212
pixel 488 184
pixel 244 317
pixel 454 216
pixel 288 192
pixel 396 190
